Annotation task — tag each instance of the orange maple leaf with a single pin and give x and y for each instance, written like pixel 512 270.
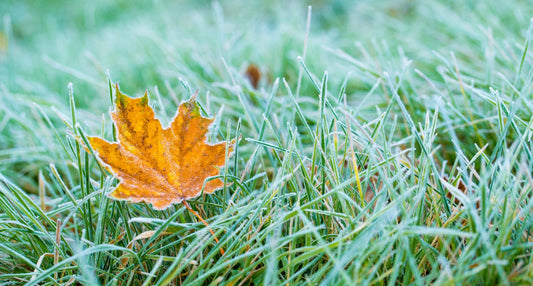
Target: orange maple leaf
pixel 157 165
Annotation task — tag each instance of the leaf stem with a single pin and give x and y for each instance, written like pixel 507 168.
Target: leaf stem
pixel 202 220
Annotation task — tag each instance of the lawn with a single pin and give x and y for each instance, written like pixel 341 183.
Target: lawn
pixel 377 142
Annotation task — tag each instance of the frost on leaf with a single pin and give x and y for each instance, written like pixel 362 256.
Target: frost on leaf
pixel 161 166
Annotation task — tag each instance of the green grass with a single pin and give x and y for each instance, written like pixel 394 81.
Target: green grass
pixel 388 144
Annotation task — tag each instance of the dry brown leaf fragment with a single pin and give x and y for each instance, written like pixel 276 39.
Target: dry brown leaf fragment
pixel 157 165
pixel 253 74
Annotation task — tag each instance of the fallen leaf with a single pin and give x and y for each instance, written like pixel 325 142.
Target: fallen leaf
pixel 253 74
pixel 157 165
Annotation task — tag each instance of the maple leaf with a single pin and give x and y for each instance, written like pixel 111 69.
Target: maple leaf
pixel 157 165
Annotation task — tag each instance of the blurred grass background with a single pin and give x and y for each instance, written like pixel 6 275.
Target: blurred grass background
pixel 144 44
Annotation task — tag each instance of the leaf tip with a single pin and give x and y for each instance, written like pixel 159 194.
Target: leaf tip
pixel 120 97
pixel 191 105
pixel 144 99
